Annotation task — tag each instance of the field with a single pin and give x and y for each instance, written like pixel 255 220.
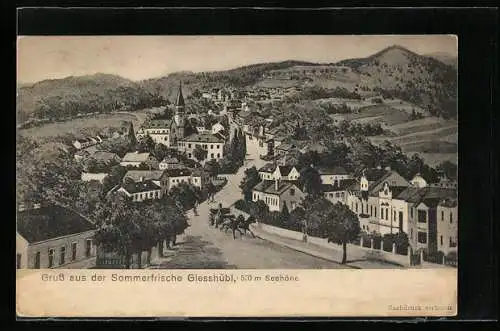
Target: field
pixel 77 124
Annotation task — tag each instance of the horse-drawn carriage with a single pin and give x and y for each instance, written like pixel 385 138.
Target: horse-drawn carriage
pixel 231 219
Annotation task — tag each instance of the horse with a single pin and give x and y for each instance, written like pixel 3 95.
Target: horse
pixel 245 224
pixel 231 224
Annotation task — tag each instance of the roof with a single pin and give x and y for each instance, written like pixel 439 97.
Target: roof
pixel 135 157
pixel 136 175
pixel 373 175
pixel 177 172
pixel 170 160
pixel 332 171
pixel 180 98
pixel 344 185
pixel 268 186
pixel 449 202
pixel 430 193
pixel 285 169
pixel 104 156
pixel 407 193
pixel 49 223
pixel 157 123
pixel 203 137
pixel 137 187
pixel 268 167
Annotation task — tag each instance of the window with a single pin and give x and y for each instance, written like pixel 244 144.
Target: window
pixel 37 260
pixel 293 205
pixel 51 258
pixel 218 155
pixel 411 234
pixel 211 155
pixel 411 212
pixel 73 251
pixel 356 207
pixel 442 215
pixel 88 247
pixel 330 195
pixel 453 242
pixel 451 217
pixel 422 237
pixel 371 210
pixel 62 255
pixel 189 155
pixel 189 146
pixel 422 216
pixel 218 146
pixel 441 240
pixel 211 146
pixel 18 261
pixel 375 211
pixel 292 191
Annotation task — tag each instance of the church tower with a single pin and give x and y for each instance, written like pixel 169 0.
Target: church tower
pixel 179 113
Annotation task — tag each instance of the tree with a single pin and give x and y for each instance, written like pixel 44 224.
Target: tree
pixel 160 151
pixel 213 168
pixel 342 227
pixel 249 181
pixel 200 153
pixel 310 181
pixel 284 217
pixel 146 145
pixel 131 135
pixel 449 169
pixel 259 210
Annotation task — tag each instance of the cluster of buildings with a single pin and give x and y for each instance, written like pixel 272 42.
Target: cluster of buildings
pixel 298 72
pixel 385 202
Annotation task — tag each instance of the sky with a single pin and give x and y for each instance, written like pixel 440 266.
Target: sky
pixel 142 57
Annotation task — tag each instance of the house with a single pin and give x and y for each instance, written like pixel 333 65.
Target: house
pixel 157 176
pixel 445 182
pixel 170 163
pixel 333 175
pixel 53 237
pixel 267 171
pixel 277 193
pixel 286 173
pixel 87 177
pixel 135 159
pixel 174 177
pixel 209 142
pixel 418 181
pixel 84 143
pixel 160 130
pixel 82 155
pixel 447 225
pixel 217 127
pixel 142 190
pixel 423 207
pixel 105 157
pixel 338 192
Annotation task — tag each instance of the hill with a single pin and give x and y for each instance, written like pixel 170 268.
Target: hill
pixel 445 58
pixel 398 72
pixel 70 96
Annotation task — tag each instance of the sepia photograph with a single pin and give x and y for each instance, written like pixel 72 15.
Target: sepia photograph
pixel 248 152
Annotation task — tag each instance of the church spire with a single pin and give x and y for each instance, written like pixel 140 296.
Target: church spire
pixel 180 98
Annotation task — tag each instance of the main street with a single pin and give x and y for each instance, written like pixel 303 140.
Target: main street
pixel 204 247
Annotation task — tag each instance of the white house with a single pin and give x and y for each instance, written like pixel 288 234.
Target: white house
pixel 84 143
pixel 135 159
pixel 174 177
pixel 161 131
pixel 156 176
pixel 170 163
pixel 276 194
pixel 447 225
pixel 143 190
pixel 87 176
pixel 211 143
pixel 333 176
pixel 418 181
pixel 267 171
pixel 287 172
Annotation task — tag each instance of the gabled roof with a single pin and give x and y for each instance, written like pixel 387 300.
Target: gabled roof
pixel 373 175
pixel 344 185
pixel 138 187
pixel 104 156
pixel 136 157
pixel 285 169
pixel 51 222
pixel 427 193
pixel 136 175
pixel 332 171
pixel 170 160
pixel 177 172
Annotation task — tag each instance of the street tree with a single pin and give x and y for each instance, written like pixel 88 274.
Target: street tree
pixel 342 226
pixel 310 181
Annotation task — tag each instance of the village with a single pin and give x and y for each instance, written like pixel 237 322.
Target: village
pixel 234 152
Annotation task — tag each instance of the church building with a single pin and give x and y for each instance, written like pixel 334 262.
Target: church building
pixel 167 131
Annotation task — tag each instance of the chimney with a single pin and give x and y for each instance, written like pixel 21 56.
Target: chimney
pixel 276 184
